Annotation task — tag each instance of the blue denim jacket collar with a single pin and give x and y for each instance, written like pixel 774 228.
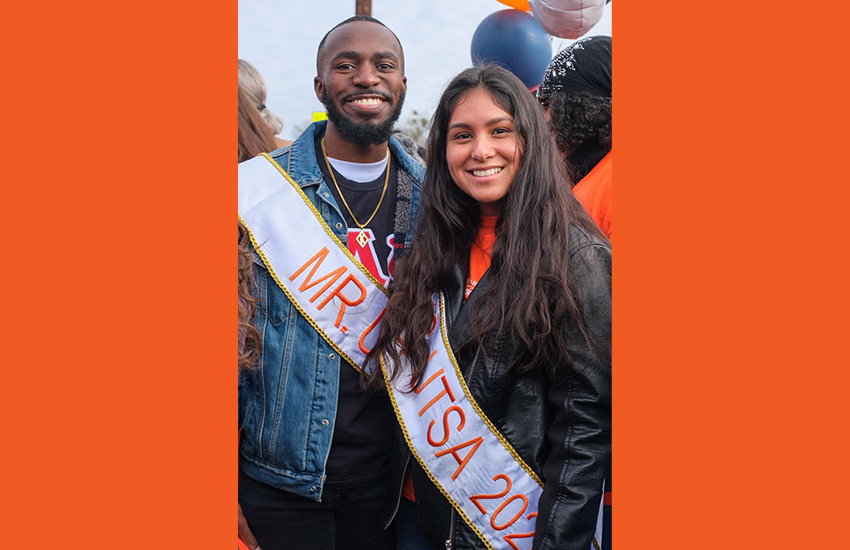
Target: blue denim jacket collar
pixel 302 163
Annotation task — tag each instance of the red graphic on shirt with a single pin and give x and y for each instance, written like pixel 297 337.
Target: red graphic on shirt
pixel 470 286
pixel 367 255
pixel 391 257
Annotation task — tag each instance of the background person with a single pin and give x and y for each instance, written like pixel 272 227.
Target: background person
pixel 251 81
pixel 576 92
pixel 254 138
pixel 527 280
pixel 254 135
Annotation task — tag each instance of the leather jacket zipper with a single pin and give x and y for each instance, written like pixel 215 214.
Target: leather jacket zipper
pixel 400 489
pixel 474 363
pixel 451 531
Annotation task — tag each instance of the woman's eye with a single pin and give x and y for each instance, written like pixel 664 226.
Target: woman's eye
pixel 463 135
pixel 501 131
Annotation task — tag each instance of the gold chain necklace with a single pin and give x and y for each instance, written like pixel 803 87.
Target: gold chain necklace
pixel 361 238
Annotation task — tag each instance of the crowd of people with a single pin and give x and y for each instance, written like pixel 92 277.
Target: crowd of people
pixel 425 346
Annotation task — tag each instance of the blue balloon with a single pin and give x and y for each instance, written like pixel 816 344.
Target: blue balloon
pixel 517 42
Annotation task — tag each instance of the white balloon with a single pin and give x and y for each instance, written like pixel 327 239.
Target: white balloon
pixel 567 18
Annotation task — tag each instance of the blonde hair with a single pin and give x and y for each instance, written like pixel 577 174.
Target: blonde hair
pixel 252 83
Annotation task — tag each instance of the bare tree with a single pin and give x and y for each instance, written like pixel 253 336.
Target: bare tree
pixel 416 127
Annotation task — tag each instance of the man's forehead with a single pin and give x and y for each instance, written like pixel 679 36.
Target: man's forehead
pixel 362 37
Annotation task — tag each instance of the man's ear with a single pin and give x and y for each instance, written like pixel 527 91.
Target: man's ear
pixel 318 87
pixel 404 81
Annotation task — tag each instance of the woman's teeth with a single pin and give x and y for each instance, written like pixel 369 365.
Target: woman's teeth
pixel 485 173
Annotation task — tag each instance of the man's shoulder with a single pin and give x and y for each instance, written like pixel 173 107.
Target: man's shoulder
pixel 299 159
pixel 281 156
pixel 406 151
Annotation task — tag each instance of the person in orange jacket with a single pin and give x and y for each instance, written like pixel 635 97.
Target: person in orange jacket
pixel 576 93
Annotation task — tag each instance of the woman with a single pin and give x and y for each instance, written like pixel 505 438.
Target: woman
pixel 252 83
pixel 254 138
pixel 525 275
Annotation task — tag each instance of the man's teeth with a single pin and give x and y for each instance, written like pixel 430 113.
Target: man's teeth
pixel 484 173
pixel 368 101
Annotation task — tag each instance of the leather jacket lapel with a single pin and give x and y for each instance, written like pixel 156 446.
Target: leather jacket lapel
pixel 458 310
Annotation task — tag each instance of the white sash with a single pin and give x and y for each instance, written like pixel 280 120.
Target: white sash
pixel 332 290
pixel 464 455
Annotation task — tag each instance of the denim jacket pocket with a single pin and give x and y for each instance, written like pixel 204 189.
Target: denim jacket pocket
pixel 272 302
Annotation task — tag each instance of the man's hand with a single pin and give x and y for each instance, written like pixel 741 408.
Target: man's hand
pixel 245 532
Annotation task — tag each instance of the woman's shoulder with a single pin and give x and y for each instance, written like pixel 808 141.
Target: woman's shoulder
pixel 585 243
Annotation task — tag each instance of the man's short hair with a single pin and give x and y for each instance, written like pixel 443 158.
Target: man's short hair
pixel 352 19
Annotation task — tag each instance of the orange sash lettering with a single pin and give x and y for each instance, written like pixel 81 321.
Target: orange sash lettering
pixel 453 451
pixel 433 423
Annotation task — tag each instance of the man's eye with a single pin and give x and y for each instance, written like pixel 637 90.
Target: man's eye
pixel 345 66
pixel 385 66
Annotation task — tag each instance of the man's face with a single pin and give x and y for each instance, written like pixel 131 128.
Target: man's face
pixel 361 81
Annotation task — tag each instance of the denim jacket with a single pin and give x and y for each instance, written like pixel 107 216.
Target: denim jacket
pixel 287 406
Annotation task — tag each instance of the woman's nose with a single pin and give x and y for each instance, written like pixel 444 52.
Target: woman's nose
pixel 482 149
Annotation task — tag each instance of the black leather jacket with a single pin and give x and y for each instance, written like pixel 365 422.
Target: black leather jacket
pixel 562 429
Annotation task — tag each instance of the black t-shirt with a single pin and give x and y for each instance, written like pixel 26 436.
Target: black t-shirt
pixel 361 440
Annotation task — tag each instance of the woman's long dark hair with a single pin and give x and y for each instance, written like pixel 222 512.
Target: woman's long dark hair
pixel 531 292
pixel 249 338
pixel 581 124
pixel 255 137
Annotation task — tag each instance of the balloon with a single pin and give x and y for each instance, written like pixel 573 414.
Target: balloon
pixel 518 4
pixel 567 18
pixel 514 40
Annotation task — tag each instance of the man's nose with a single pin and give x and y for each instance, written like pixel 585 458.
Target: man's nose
pixel 366 76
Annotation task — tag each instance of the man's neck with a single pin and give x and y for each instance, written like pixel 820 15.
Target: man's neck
pixel 339 148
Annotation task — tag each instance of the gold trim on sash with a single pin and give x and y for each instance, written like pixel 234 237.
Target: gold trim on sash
pixel 478 410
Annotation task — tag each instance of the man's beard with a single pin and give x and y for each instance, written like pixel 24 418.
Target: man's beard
pixel 362 133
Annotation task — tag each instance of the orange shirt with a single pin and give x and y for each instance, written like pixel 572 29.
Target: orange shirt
pixel 479 263
pixel 594 193
pixel 479 256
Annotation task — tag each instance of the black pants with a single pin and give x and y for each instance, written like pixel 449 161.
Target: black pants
pixel 346 519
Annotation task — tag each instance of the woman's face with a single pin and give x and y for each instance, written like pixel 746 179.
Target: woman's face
pixel 482 150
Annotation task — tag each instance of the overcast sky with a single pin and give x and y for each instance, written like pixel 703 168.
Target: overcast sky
pixel 280 38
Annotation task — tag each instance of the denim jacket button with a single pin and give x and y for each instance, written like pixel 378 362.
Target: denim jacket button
pixel 326 195
pixel 338 225
pixel 313 489
pixel 332 356
pixel 325 422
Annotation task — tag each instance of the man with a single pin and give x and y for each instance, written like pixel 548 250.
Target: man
pixel 314 448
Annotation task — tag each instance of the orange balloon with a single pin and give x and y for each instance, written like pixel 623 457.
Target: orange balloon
pixel 517 4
